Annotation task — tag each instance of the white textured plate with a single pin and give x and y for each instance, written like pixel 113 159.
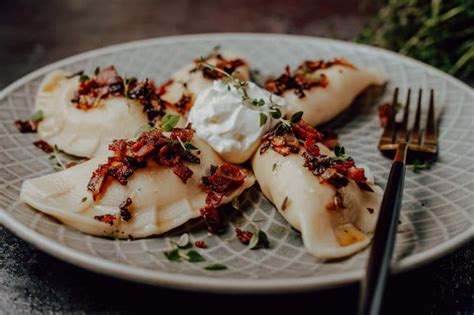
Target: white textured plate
pixel 438 207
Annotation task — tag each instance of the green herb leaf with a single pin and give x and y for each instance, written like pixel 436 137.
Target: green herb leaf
pixel 189 146
pixel 97 70
pixel 419 165
pixel 37 116
pixel 194 256
pixel 339 151
pixel 84 77
pixel 296 117
pixel 168 122
pixel 259 238
pixel 276 112
pixel 216 267
pixel 173 255
pixel 263 119
pixel 143 129
pixel 274 168
pixel 83 199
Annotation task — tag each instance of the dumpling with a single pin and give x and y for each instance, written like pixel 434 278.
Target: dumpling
pixel 82 114
pixel 326 197
pixel 146 187
pixel 192 79
pixel 322 90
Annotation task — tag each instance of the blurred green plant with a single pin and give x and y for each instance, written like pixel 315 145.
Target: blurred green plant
pixel 440 33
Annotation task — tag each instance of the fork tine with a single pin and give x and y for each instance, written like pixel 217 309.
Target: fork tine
pixel 388 135
pixel 402 133
pixel 415 133
pixel 430 142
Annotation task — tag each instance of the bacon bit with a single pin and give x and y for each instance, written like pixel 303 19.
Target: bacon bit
pixel 331 206
pixel 133 154
pixel 124 211
pixel 106 218
pixel 213 220
pixel 184 104
pixel 338 181
pixel 43 145
pixel 371 210
pixel 26 126
pixel 93 90
pixel 183 172
pixel 200 244
pixel 229 66
pixel 163 88
pixel 303 78
pixel 384 113
pixel 243 236
pixel 222 181
pixel 356 174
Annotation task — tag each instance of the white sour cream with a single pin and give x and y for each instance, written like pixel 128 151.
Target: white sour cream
pixel 230 125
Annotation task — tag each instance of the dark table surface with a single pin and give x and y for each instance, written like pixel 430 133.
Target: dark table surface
pixel 35 33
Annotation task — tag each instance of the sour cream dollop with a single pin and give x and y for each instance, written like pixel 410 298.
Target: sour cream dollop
pixel 230 125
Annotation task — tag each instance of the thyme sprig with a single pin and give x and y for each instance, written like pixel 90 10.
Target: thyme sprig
pixel 55 160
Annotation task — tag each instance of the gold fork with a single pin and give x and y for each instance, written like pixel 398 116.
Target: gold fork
pixel 395 137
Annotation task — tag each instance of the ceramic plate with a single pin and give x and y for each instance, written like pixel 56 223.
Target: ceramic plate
pixel 438 207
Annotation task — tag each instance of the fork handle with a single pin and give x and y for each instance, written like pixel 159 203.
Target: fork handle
pixel 373 285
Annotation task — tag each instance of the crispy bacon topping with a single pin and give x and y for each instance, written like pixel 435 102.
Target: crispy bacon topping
pixel 184 104
pixel 124 211
pixel 213 219
pixel 130 155
pixel 200 244
pixel 26 126
pixel 106 83
pixel 106 218
pixel 243 236
pixel 221 181
pixel 304 78
pixel 43 145
pixel 92 91
pixel 229 66
pixel 336 171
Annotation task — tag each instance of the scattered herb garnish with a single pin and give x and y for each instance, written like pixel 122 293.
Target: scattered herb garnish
pixel 215 267
pixel 340 153
pixel 37 116
pixel 193 256
pixel 296 117
pixel 55 160
pixel 97 70
pixel 168 122
pixel 83 199
pixel 420 165
pixel 173 255
pixel 84 78
pixel 259 238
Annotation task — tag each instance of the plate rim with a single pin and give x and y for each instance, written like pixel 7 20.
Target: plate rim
pixel 202 283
